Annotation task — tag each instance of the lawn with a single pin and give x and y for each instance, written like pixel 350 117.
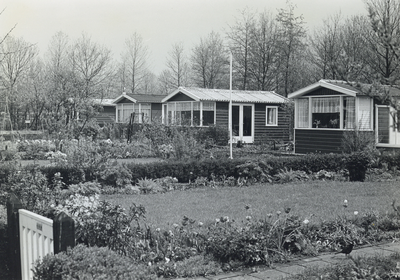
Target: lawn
pixel 323 200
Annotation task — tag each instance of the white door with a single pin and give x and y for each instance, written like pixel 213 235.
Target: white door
pixel 243 122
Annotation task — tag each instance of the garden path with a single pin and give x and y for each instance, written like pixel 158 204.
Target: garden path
pixel 281 271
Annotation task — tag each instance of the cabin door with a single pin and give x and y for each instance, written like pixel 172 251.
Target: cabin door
pixel 243 122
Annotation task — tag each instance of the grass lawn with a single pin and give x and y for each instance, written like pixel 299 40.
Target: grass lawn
pixel 321 199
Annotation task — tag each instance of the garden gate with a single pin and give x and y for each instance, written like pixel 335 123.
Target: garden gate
pixel 36 240
pixel 32 236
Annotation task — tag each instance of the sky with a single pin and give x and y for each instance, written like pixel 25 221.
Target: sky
pixel 161 23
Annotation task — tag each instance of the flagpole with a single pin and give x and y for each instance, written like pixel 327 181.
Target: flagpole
pixel 230 108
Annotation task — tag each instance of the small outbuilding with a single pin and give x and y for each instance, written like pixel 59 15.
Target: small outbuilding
pixel 326 109
pixel 257 116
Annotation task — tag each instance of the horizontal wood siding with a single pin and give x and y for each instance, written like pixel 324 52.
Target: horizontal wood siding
pixel 222 114
pixel 323 91
pixel 266 134
pixel 318 141
pixel 180 97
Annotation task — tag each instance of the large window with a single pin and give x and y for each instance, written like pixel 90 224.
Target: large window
pixel 142 112
pixel 191 113
pixel 326 112
pixel 334 112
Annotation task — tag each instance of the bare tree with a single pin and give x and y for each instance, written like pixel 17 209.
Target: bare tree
pixel 178 66
pixel 385 40
pixel 210 62
pixel 263 58
pixel 134 61
pixel 91 64
pixel 291 44
pixel 240 36
pixel 18 56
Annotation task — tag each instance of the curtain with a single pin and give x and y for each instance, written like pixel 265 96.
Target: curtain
pixel 302 115
pixel 326 105
pixel 350 112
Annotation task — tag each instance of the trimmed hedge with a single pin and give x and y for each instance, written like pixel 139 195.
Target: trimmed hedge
pixel 186 171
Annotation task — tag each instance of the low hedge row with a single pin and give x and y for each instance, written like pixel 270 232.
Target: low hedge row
pixel 252 168
pixel 187 171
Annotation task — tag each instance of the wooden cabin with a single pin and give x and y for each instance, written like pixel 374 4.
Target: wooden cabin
pixel 257 116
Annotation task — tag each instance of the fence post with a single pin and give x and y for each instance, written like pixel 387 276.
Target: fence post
pixel 13 205
pixel 63 232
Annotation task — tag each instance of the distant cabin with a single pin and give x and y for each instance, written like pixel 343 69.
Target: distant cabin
pixel 328 108
pixel 257 116
pixel 107 114
pixel 144 108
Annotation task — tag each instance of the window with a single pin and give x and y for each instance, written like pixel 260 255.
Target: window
pixel 349 109
pixel 326 112
pixel 190 113
pixel 364 113
pixel 302 112
pixel 208 113
pixel 124 112
pixel 334 112
pixel 142 112
pixel 271 116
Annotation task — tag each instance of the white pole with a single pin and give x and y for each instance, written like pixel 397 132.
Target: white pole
pixel 230 108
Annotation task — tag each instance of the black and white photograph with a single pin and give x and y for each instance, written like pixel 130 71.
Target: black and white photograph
pixel 199 139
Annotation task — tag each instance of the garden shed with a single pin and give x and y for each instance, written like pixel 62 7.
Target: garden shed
pixel 146 108
pixel 328 108
pixel 257 116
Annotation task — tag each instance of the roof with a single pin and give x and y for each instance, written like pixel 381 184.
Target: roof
pixel 145 98
pixel 104 102
pixel 241 96
pixel 348 88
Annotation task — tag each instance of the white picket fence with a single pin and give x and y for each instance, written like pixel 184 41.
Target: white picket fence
pixel 36 240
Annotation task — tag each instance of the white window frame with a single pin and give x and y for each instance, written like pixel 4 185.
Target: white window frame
pixel 275 123
pixel 341 126
pixel 173 106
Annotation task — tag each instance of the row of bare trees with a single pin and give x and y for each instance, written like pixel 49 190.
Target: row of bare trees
pixel 270 52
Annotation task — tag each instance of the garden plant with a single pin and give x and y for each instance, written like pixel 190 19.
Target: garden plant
pixel 82 178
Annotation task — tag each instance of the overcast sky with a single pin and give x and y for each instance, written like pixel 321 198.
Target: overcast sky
pixel 161 23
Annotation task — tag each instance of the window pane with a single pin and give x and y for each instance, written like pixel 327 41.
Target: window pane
pixel 302 113
pixel 208 113
pixel 349 107
pixel 208 118
pixel 247 125
pixel 326 112
pixel 364 113
pixel 271 116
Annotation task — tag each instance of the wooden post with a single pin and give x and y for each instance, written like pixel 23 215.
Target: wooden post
pixel 13 205
pixel 63 232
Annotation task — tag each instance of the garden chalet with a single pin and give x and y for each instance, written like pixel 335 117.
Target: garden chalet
pixel 145 108
pixel 257 116
pixel 324 110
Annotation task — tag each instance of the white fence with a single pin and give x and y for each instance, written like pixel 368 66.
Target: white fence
pixel 36 240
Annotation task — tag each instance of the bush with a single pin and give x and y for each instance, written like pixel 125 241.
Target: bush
pixel 82 262
pixel 357 165
pixel 99 223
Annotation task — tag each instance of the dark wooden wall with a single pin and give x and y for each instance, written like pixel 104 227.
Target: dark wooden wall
pixel 317 141
pixel 266 134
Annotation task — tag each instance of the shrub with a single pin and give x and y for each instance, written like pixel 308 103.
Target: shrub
pixel 114 174
pixel 357 165
pixel 99 223
pixel 82 262
pixel 356 140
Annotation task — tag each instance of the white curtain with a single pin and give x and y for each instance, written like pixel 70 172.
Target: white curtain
pixel 350 112
pixel 326 105
pixel 302 115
